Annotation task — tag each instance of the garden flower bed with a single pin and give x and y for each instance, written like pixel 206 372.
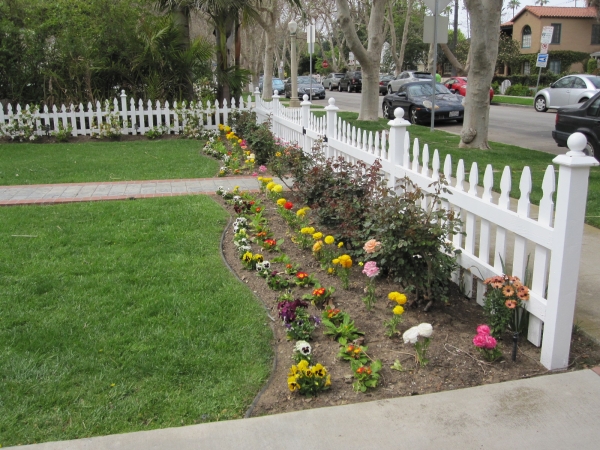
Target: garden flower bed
pixel 357 288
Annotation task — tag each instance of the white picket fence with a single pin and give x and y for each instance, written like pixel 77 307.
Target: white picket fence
pixel 549 245
pixel 133 120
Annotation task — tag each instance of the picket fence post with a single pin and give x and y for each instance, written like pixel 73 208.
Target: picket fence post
pixel 305 113
pixel 331 132
pixel 276 110
pixel 571 197
pixel 396 142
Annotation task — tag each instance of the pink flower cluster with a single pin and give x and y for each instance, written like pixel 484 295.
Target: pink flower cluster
pixel 483 339
pixel 371 270
pixel 262 169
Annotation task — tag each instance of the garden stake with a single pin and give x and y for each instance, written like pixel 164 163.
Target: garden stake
pixel 514 350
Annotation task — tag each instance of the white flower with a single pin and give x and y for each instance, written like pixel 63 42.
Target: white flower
pixel 411 335
pixel 303 347
pixel 266 264
pixel 259 267
pixel 425 329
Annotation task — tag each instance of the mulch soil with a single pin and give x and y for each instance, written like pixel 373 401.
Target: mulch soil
pixel 455 362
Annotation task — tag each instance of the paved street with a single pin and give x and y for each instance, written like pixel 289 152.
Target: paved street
pixel 508 124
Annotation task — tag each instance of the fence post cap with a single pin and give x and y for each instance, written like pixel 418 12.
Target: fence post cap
pixel 123 94
pixel 575 157
pixel 398 121
pixel 331 106
pixel 305 102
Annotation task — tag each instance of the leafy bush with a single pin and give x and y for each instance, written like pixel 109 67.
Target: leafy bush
pixel 518 90
pixel 258 136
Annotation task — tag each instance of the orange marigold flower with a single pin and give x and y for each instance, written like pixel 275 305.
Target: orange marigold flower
pixel 510 304
pixel 508 291
pixel 301 275
pixel 319 292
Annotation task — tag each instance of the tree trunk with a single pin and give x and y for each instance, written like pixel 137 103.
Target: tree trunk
pixel 267 93
pixel 485 36
pixel 409 4
pixel 181 16
pixel 369 58
pixel 390 20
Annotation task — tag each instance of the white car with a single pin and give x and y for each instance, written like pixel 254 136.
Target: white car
pixel 332 80
pixel 568 90
pixel 406 77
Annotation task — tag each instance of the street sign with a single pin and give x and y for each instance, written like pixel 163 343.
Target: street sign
pixel 325 64
pixel 310 38
pixel 442 29
pixel 542 60
pixel 441 5
pixel 544 48
pixel 547 34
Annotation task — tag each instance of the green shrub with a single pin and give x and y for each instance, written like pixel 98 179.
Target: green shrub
pixel 592 65
pixel 518 90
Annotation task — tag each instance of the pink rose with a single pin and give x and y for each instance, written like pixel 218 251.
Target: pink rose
pixel 483 329
pixel 371 246
pixel 479 340
pixel 371 270
pixel 490 342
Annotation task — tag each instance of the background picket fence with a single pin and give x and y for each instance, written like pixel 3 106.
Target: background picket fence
pixel 497 230
pixel 133 120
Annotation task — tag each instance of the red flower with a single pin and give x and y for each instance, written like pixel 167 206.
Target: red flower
pixel 252 202
pixel 318 292
pixel 288 266
pixel 258 209
pixel 301 275
pixel 288 205
pixel 270 242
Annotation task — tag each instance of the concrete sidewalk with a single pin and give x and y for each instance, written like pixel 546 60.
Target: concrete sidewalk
pixel 550 412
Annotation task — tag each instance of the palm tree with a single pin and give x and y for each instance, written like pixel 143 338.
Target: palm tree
pixel 514 4
pixel 541 2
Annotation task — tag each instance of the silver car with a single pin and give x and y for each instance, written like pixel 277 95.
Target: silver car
pixel 568 90
pixel 332 80
pixel 406 77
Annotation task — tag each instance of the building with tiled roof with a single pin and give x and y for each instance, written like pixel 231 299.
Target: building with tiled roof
pixel 575 29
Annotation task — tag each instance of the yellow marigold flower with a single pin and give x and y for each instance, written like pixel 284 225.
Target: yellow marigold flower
pixel 331 271
pixel 345 261
pixel 260 178
pixel 317 246
pixel 397 297
pixel 270 185
pixel 336 261
pixel 281 201
pixel 278 154
pixel 266 180
pixel 239 141
pixel 221 127
pixel 340 244
pixel 227 128
pixel 317 236
pixel 277 188
pixel 329 240
pixel 398 310
pixel 304 230
pixel 311 230
pixel 301 212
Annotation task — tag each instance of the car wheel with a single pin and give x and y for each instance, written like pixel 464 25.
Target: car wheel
pixel 412 115
pixel 540 104
pixel 331 86
pixel 349 88
pixel 339 87
pixel 390 90
pixel 590 149
pixel 387 112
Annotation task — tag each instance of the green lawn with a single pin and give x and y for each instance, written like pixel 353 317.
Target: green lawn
pixel 104 161
pixel 499 156
pixel 121 316
pixel 508 99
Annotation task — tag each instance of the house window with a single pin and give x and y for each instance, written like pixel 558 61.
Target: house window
pixel 526 40
pixel 447 68
pixel 526 68
pixel 556 33
pixel 554 66
pixel 595 34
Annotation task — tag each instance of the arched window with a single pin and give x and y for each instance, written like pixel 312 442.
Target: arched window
pixel 526 38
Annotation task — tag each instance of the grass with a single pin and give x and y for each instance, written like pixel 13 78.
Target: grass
pixel 104 161
pixel 499 156
pixel 508 99
pixel 121 316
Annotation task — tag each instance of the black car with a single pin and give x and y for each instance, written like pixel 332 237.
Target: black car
pixel 383 83
pixel 415 99
pixel 352 81
pixel 304 87
pixel 583 117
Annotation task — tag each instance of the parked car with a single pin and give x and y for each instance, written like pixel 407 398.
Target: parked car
pixel 408 76
pixel 276 83
pixel 568 90
pixel 459 85
pixel 304 87
pixel 383 82
pixel 332 80
pixel 352 81
pixel 584 118
pixel 415 99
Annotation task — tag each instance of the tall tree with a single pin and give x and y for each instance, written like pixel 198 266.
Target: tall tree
pixel 514 4
pixel 369 57
pixel 485 36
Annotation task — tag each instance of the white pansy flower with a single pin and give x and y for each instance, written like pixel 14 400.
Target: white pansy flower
pixel 303 347
pixel 425 329
pixel 266 264
pixel 411 335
